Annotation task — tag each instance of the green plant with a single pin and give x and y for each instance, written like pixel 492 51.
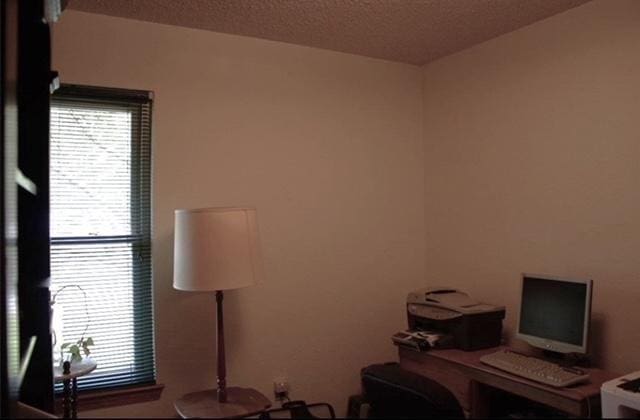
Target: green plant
pixel 73 349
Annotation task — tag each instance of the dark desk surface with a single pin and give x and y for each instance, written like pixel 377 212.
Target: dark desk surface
pixel 577 400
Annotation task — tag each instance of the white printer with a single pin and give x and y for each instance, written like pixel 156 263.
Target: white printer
pixel 621 397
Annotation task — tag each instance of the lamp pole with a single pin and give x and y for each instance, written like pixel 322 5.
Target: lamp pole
pixel 222 371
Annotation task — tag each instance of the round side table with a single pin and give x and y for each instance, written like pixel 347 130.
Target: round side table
pixel 68 374
pixel 241 402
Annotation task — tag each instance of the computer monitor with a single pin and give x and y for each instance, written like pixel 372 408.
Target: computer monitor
pixel 555 313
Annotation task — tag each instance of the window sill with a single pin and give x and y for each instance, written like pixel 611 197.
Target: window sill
pixel 92 400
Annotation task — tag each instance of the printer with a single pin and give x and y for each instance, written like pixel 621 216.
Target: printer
pixel 621 397
pixel 471 324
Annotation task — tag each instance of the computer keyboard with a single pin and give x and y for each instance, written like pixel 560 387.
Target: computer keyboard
pixel 535 369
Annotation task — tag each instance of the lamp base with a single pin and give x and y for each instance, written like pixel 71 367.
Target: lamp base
pixel 241 402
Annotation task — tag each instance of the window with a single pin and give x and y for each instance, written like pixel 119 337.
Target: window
pixel 100 173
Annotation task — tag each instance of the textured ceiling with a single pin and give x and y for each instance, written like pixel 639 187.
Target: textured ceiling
pixel 410 31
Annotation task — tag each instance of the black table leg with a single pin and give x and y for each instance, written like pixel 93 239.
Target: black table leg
pixel 66 397
pixel 74 398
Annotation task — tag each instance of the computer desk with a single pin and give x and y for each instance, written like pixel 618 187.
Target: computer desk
pixel 472 382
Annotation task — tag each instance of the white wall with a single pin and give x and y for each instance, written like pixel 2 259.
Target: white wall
pixel 326 145
pixel 532 152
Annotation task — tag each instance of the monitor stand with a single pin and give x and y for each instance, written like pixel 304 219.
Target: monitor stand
pixel 567 359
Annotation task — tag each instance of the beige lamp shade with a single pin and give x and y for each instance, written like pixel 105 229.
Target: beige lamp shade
pixel 216 249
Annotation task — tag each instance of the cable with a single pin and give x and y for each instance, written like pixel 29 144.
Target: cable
pixel 86 306
pixel 587 399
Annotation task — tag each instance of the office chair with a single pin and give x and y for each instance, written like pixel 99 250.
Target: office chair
pixel 299 410
pixel 391 392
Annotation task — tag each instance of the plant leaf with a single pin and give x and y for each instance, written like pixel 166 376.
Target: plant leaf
pixel 86 351
pixel 89 341
pixel 64 346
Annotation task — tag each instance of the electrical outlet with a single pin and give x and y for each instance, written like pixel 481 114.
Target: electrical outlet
pixel 281 389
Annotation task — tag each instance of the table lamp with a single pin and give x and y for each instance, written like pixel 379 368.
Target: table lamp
pixel 217 249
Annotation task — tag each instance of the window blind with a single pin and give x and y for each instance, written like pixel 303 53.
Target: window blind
pixel 100 175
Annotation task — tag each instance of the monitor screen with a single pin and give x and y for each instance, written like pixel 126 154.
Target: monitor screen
pixel 554 313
